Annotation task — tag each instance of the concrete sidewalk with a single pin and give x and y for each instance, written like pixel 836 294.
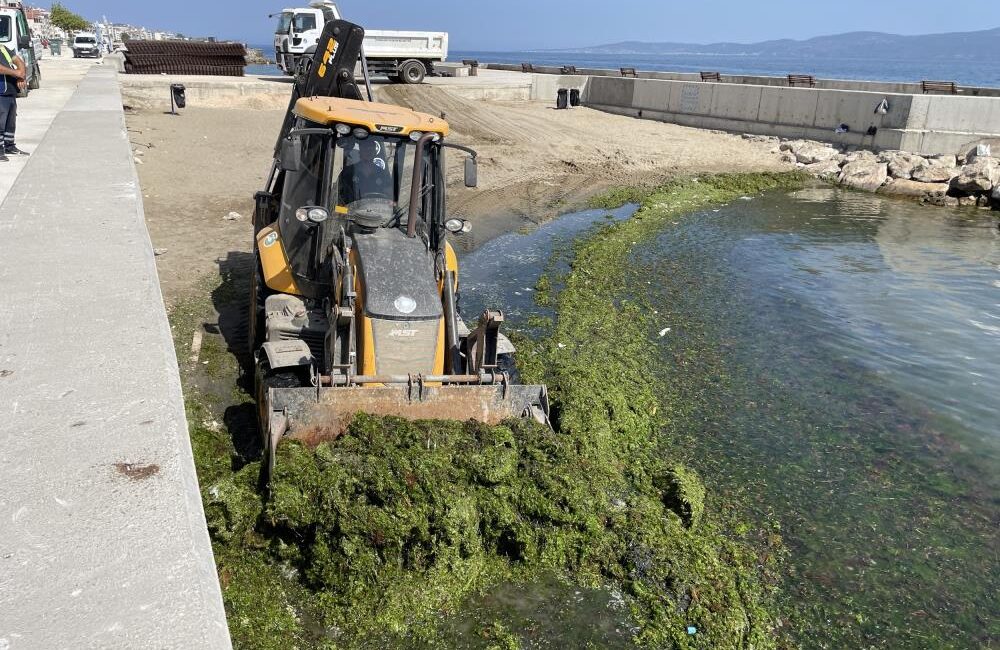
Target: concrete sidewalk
pixel 60 77
pixel 103 541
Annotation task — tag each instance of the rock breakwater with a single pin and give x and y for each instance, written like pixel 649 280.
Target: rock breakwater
pixel 969 180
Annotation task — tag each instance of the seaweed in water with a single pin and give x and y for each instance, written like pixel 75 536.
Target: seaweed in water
pixel 372 539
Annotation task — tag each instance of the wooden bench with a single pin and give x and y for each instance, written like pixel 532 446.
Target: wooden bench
pixel 949 87
pixel 710 76
pixel 801 80
pixel 527 67
pixel 628 72
pixel 568 69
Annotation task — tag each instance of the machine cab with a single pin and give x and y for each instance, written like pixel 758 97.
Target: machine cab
pixel 350 167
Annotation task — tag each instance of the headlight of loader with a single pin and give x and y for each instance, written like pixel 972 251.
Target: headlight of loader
pixel 318 215
pixel 315 215
pixel 457 226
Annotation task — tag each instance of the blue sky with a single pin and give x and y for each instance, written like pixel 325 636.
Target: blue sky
pixel 529 24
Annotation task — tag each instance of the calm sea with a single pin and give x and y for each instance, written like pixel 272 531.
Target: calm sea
pixel 870 68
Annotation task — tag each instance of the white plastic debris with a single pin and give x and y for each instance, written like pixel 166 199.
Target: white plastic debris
pixel 233 216
pixel 664 332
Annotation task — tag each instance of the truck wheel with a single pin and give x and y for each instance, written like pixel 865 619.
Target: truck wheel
pixel 412 72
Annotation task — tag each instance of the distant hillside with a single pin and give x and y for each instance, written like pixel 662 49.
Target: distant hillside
pixel 956 46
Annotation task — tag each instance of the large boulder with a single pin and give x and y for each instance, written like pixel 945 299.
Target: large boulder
pixel 862 154
pixel 901 163
pixel 811 153
pixel 946 159
pixel 824 169
pixel 868 175
pixel 792 145
pixel 934 170
pixel 981 175
pixel 916 189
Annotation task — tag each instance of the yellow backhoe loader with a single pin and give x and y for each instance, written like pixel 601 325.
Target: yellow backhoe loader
pixel 354 304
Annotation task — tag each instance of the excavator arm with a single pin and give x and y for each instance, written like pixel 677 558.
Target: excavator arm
pixel 330 71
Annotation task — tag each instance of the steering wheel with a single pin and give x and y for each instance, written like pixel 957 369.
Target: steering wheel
pixel 370 211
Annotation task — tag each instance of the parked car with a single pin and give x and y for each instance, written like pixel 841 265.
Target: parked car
pixel 85 44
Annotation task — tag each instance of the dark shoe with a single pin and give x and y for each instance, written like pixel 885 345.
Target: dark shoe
pixel 4 158
pixel 14 151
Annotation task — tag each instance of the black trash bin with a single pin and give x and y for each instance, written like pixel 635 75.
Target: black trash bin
pixel 177 96
pixel 574 97
pixel 562 99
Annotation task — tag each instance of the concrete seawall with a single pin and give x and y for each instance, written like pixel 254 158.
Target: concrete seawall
pixel 103 541
pixel 901 87
pixel 925 124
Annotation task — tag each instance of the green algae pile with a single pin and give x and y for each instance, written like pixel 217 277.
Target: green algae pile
pixel 375 539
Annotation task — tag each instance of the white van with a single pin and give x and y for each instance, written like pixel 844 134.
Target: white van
pixel 85 44
pixel 16 36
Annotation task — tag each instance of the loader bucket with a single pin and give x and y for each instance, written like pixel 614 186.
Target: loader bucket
pixel 314 415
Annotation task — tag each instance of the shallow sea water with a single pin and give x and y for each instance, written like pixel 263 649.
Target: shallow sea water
pixel 835 359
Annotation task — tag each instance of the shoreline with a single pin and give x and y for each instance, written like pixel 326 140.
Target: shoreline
pixel 541 162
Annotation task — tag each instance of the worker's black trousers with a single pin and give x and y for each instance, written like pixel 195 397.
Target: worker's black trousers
pixel 8 119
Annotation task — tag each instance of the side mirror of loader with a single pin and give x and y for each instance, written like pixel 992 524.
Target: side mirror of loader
pixel 471 172
pixel 291 155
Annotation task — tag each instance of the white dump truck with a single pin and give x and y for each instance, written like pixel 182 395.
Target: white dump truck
pixel 405 57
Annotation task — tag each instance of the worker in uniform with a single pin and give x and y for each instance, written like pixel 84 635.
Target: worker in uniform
pixel 12 80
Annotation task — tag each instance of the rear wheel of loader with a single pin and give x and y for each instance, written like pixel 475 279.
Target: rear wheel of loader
pixel 257 324
pixel 412 72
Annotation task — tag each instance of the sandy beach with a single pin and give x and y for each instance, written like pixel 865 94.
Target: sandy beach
pixel 536 163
